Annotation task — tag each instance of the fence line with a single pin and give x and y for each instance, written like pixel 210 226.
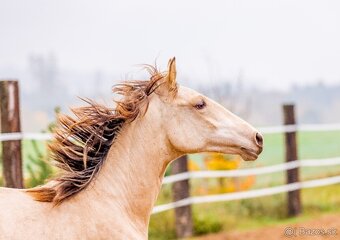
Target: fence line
pixel 268 130
pixel 21 136
pixel 252 171
pixel 302 127
pixel 247 194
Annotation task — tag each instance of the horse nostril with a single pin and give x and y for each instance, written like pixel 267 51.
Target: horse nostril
pixel 259 139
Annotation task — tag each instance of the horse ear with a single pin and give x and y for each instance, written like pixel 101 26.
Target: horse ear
pixel 170 78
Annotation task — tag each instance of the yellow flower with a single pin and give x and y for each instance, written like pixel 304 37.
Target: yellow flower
pixel 193 166
pixel 217 161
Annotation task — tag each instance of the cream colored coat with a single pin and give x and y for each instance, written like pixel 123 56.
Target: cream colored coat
pixel 119 201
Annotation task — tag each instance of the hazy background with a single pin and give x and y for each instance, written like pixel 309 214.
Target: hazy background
pixel 250 55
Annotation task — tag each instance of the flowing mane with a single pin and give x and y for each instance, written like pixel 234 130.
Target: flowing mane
pixel 112 161
pixel 82 142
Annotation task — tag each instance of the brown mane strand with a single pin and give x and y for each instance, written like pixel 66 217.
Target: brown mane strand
pixel 81 143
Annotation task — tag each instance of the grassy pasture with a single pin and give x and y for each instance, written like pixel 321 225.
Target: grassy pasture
pixel 311 145
pixel 249 213
pixel 263 211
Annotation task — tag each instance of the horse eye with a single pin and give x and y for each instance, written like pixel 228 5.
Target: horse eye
pixel 200 105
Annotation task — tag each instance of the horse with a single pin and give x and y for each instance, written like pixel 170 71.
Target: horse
pixel 112 160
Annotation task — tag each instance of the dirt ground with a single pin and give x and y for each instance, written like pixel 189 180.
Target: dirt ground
pixel 325 227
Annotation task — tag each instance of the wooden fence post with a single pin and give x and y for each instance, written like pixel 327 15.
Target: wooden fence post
pixel 10 122
pixel 294 202
pixel 181 190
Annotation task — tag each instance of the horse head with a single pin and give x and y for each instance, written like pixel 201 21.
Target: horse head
pixel 195 123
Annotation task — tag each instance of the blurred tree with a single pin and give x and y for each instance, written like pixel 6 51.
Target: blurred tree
pixel 44 71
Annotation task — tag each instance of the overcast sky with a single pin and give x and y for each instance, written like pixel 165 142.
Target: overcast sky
pixel 273 43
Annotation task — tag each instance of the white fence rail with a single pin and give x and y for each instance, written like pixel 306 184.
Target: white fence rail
pixel 252 171
pixel 28 136
pixel 247 194
pixel 268 130
pixel 302 127
pixel 247 172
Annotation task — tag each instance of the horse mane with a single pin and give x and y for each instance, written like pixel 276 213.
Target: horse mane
pixel 81 143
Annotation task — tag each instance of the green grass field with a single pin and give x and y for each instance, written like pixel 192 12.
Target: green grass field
pixel 263 211
pixel 311 145
pixel 249 213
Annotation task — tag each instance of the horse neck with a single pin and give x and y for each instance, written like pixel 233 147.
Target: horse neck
pixel 131 177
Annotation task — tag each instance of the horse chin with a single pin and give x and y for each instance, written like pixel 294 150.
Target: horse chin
pixel 248 155
pixel 248 158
